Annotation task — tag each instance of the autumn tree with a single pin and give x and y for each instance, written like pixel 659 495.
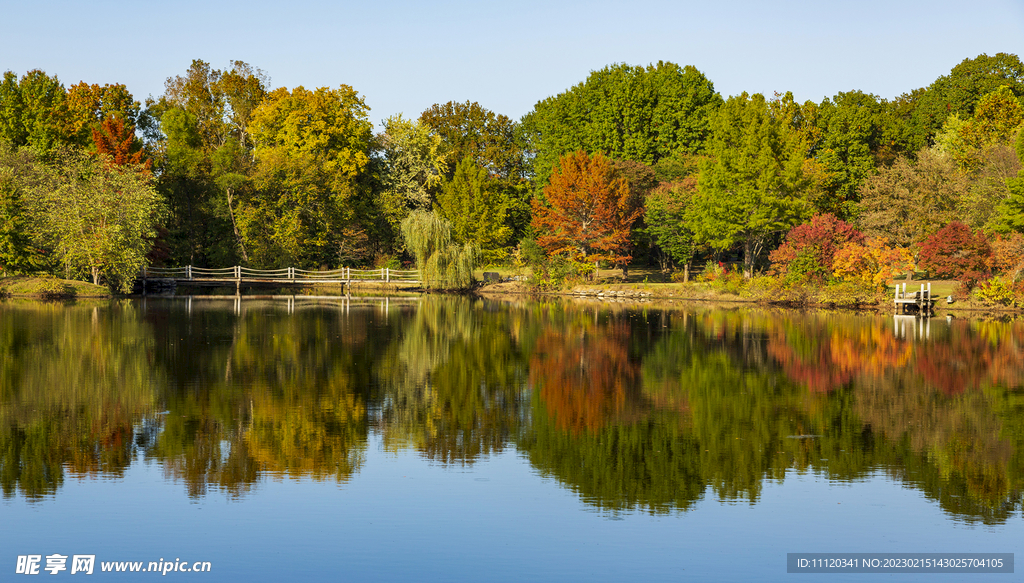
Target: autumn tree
pixel 873 262
pixel 312 149
pixel 809 249
pixel 956 252
pixel 756 184
pixel 586 211
pixel 910 200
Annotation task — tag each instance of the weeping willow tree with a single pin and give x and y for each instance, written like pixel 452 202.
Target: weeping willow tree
pixel 443 264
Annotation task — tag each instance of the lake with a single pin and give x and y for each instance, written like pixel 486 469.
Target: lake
pixel 451 439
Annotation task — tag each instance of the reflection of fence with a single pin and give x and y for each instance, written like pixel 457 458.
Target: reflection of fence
pixel 190 275
pixel 291 304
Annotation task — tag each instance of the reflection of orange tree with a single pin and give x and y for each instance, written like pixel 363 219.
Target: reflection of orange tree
pixel 585 375
pixel 942 402
pixel 825 352
pixel 74 382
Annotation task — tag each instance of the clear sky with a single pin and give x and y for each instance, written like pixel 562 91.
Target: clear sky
pixel 404 56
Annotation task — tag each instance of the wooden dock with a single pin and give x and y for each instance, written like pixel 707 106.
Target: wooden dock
pixel 163 277
pixel 918 302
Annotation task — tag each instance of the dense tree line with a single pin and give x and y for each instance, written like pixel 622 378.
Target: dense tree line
pixel 632 164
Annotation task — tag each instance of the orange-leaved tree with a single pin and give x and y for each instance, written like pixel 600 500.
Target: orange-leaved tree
pixel 116 139
pixel 587 212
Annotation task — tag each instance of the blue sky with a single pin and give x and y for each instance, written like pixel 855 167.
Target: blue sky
pixel 403 56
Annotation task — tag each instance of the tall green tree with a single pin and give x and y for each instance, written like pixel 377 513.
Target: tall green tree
pixel 414 163
pixel 17 172
pixel 476 206
pixel 626 112
pixel 756 184
pixel 495 142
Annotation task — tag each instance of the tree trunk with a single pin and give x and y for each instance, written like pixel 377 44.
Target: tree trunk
pixel 748 258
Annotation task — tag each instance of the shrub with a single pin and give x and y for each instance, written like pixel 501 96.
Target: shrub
pixel 1000 292
pixel 54 289
pixel 872 263
pixel 810 248
pixel 957 252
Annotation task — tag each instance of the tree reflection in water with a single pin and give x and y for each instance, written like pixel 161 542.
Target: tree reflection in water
pixel 633 409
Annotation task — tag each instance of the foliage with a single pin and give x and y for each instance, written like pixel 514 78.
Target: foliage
pixel 1008 255
pixel 999 291
pixel 587 211
pixel 722 277
pixel 908 201
pixel 442 264
pixel 956 252
pixel 631 113
pixel 959 92
pixel 856 134
pixel 415 165
pixel 756 184
pixel 312 151
pixel 98 219
pixel 17 170
pixel 468 129
pixel 810 248
pixel 997 117
pixel 475 206
pixel 667 219
pixel 872 263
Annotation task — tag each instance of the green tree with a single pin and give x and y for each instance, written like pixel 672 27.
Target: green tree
pixel 17 169
pixel 756 185
pixel 495 143
pixel 414 165
pixel 475 206
pixel 442 264
pixel 959 92
pixel 667 220
pixel 33 111
pixel 98 219
pixel 626 112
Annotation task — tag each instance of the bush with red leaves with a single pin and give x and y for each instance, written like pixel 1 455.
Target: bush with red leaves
pixel 957 252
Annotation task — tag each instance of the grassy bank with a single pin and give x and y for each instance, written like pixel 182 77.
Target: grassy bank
pixel 49 288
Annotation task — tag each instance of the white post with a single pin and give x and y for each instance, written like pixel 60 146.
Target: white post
pixel 387 275
pixel 188 271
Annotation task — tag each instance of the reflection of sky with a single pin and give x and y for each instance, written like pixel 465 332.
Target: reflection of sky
pixel 401 518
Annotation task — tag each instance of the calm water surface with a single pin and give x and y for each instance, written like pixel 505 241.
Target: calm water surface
pixel 444 439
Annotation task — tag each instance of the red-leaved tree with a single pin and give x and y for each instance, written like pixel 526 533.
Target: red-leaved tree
pixel 116 139
pixel 587 212
pixel 956 252
pixel 816 243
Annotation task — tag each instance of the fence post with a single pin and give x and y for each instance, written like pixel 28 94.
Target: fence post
pixel 188 271
pixel 387 275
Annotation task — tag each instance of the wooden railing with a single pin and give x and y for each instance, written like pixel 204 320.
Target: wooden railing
pixel 283 275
